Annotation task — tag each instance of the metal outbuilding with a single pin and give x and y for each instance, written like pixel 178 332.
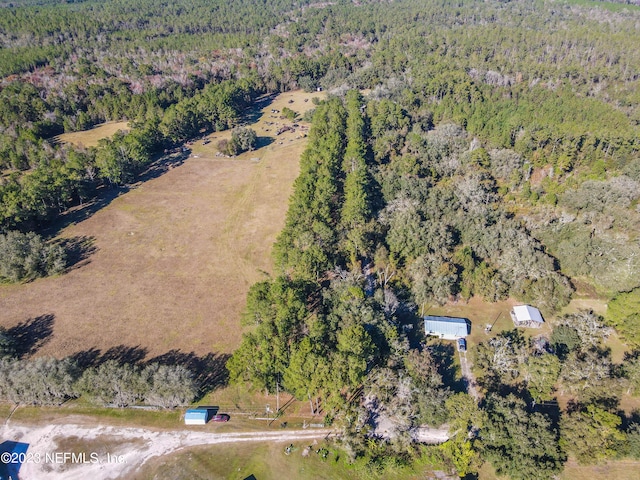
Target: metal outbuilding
pixel 449 328
pixel 195 416
pixel 526 316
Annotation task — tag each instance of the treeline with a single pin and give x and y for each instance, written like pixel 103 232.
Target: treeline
pixel 440 225
pixel 321 351
pixel 550 63
pixel 542 73
pixel 51 381
pixel 324 329
pixel 55 178
pixel 392 211
pixel 543 92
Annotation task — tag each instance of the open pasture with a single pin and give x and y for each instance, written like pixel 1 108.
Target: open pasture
pixel 89 138
pixel 172 258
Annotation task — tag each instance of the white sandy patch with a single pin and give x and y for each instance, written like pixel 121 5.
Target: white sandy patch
pixel 429 435
pixel 132 447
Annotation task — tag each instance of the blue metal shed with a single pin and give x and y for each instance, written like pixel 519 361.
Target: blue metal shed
pixel 195 416
pixel 449 328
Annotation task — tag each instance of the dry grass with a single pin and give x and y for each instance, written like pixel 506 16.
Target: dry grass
pixel 618 470
pixel 89 138
pixel 269 461
pixel 598 305
pixel 267 125
pixel 243 461
pixel 174 257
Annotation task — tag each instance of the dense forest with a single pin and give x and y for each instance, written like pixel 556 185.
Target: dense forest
pixel 495 154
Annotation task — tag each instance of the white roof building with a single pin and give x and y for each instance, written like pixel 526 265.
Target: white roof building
pixel 196 416
pixel 526 316
pixel 449 328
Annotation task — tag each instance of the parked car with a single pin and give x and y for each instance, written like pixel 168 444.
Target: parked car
pixel 462 345
pixel 222 417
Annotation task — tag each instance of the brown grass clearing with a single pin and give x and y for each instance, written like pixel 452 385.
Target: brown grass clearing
pixel 89 138
pixel 629 404
pixel 618 470
pixel 174 258
pixel 266 126
pixel 598 305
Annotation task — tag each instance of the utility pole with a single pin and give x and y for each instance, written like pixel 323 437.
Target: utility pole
pixel 278 394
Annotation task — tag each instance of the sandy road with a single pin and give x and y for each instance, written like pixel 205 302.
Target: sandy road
pixel 467 375
pixel 113 452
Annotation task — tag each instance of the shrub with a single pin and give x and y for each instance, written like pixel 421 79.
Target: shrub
pixel 289 114
pixel 244 139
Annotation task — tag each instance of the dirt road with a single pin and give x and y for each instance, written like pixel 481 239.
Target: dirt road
pixel 68 451
pixel 467 375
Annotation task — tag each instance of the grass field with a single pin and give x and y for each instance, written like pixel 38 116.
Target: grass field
pixel 266 462
pixel 172 258
pixel 616 470
pixel 89 138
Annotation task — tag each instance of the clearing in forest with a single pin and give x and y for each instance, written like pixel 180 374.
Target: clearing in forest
pixel 173 257
pixel 89 138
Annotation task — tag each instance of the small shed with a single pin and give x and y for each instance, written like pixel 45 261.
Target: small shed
pixel 449 328
pixel 196 416
pixel 526 316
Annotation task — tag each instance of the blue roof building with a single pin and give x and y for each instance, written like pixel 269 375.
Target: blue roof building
pixel 196 416
pixel 448 328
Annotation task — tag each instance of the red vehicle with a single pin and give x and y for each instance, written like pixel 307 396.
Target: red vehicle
pixel 220 418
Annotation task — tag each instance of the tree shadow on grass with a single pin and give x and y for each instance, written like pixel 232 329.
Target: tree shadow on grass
pixel 210 371
pixel 121 354
pixel 103 197
pixel 263 141
pixel 29 336
pixel 78 250
pixel 104 194
pixel 160 166
pixel 253 112
pixel 86 358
